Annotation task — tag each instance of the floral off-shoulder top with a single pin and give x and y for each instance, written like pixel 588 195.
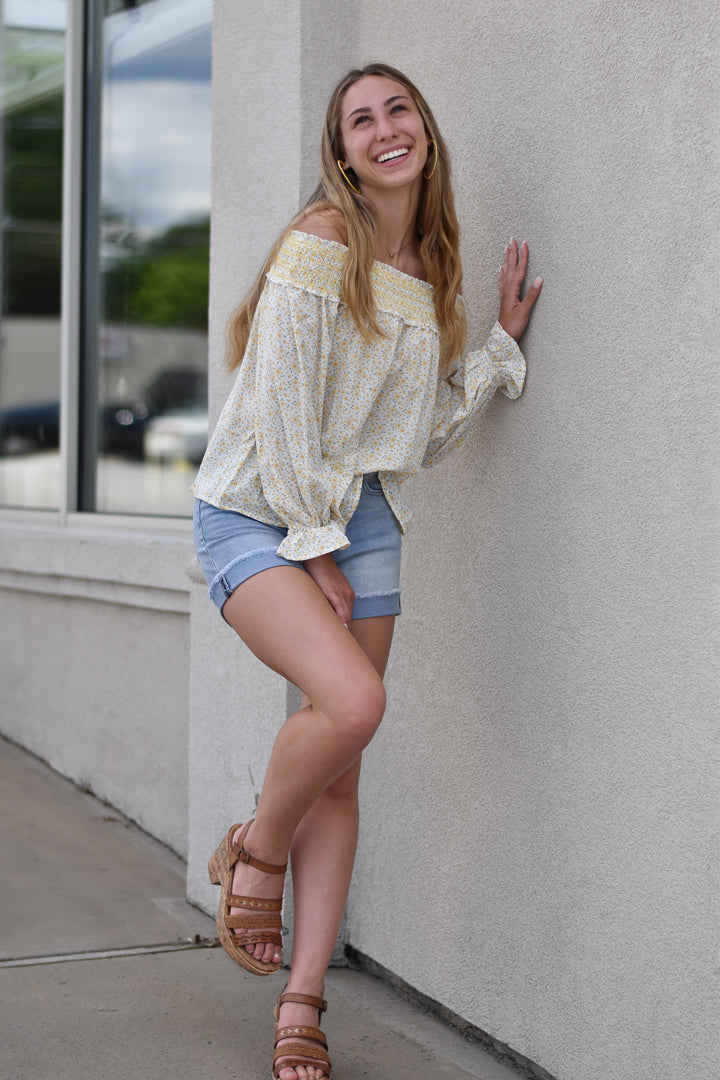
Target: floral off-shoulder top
pixel 315 406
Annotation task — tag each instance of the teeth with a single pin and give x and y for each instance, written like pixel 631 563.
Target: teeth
pixel 392 154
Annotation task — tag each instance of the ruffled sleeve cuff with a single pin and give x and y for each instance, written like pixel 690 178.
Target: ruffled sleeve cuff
pixel 308 543
pixel 507 362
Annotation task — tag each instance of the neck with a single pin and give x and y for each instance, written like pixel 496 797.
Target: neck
pixel 396 222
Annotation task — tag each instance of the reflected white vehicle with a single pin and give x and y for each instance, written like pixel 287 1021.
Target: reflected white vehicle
pixel 177 436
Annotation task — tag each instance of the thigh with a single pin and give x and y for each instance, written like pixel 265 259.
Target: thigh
pixel 232 548
pixel 286 621
pixel 374 636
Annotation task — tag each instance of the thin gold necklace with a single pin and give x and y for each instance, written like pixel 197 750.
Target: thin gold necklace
pixel 399 251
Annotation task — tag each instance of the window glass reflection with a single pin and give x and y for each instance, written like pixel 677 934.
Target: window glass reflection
pixel 31 104
pixel 151 235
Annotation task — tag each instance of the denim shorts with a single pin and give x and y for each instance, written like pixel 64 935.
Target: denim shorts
pixel 232 548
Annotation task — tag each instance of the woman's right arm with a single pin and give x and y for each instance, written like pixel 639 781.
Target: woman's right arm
pixel 294 336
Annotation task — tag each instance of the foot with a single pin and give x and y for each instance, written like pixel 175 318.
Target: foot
pixel 295 1015
pixel 247 881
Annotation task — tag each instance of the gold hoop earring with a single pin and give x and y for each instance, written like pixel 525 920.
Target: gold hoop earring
pixel 432 171
pixel 347 178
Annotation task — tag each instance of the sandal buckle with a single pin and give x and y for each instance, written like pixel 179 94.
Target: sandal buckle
pixel 244 856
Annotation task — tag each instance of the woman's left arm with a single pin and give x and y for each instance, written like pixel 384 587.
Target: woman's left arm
pixel 499 365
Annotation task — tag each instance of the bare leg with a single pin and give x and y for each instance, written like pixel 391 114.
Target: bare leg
pixel 323 853
pixel 286 621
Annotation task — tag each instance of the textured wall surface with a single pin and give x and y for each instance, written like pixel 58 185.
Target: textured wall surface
pixel 539 842
pixel 235 704
pixel 103 698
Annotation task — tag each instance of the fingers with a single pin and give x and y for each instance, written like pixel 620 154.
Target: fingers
pixel 343 608
pixel 333 584
pixel 513 268
pixel 512 273
pixel 532 294
pixel 514 311
pixel 516 255
pixel 523 261
pixel 341 599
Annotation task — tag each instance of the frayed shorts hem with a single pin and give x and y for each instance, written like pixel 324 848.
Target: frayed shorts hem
pixel 246 566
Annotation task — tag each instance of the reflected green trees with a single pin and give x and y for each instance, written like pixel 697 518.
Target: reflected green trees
pixel 32 208
pixel 164 281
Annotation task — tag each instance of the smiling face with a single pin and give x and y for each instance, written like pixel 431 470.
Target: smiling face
pixel 383 134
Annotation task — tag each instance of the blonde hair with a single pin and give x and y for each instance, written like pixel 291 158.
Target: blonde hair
pixel 437 228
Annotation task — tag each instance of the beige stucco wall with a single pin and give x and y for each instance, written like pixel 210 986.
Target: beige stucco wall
pixel 538 850
pixel 94 659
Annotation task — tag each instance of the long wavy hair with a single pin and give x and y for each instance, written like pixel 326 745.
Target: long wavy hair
pixel 437 229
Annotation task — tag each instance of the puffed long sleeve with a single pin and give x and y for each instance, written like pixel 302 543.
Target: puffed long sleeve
pixel 499 365
pixel 295 331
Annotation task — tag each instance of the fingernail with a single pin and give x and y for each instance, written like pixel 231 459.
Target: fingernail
pixel 524 243
pixel 512 239
pixel 537 282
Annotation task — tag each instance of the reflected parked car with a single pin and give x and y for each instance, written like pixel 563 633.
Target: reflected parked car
pixel 26 429
pixel 177 436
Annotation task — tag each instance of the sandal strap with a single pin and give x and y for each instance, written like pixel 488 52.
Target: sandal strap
pixel 303 1050
pixel 253 922
pixel 303 999
pixel 239 854
pixel 302 1032
pixel 294 1054
pixel 253 902
pixel 256 937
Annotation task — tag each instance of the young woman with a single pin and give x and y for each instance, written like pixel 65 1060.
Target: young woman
pixel 351 377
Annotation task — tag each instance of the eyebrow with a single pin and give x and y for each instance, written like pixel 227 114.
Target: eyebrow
pixel 366 108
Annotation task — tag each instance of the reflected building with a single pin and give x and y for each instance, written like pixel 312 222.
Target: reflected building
pixel 140 268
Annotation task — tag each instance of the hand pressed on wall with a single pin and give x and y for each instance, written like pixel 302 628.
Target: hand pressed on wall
pixel 514 312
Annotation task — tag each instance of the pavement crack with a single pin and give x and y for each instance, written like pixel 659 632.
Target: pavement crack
pixel 197 942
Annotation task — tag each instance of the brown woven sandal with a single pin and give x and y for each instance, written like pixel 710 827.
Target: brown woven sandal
pixel 294 1054
pixel 237 931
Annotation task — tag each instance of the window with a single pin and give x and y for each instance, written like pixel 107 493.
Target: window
pixel 33 72
pixel 140 419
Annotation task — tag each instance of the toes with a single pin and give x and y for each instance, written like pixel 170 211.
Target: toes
pixel 266 954
pixel 300 1072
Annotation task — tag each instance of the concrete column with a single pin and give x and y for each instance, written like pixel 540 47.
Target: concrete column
pixel 538 848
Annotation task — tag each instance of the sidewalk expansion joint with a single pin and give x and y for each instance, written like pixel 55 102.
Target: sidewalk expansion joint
pixel 110 954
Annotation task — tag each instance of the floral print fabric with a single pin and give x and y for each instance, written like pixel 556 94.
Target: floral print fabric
pixel 315 406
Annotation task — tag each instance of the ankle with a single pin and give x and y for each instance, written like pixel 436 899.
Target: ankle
pixel 253 844
pixel 308 985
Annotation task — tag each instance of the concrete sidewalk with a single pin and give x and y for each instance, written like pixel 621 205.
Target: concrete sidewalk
pixel 108 974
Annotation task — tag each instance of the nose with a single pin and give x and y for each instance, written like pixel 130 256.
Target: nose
pixel 385 127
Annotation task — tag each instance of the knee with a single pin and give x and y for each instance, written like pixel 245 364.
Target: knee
pixel 345 788
pixel 361 711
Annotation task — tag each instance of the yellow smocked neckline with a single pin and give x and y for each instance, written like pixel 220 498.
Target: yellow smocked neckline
pixel 377 263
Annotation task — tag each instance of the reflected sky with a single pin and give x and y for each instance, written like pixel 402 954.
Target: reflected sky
pixel 156 114
pixel 35 14
pixel 156 171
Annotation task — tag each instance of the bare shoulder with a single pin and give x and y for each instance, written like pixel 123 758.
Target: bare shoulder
pixel 328 223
